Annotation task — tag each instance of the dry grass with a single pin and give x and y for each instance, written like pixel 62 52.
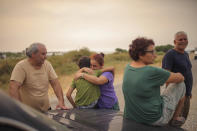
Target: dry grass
pixel 65 82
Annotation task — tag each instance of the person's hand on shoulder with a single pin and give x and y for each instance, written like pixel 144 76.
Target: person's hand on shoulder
pixel 78 75
pixel 88 70
pixel 175 78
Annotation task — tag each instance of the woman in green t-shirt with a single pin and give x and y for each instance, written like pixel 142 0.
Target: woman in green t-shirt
pixel 141 88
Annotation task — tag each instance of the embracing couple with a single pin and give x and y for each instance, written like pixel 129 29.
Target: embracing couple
pixel 94 85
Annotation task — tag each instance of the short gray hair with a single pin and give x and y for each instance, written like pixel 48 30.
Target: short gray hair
pixel 33 48
pixel 180 33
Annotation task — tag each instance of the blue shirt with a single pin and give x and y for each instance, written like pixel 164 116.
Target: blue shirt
pixel 179 62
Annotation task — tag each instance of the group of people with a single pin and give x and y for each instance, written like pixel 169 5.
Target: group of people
pixel 30 80
pixel 144 101
pixel 94 85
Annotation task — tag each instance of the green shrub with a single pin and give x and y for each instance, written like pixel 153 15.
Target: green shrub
pixel 164 48
pixel 158 59
pixel 73 56
pixel 119 50
pixel 6 67
pixel 160 53
pixel 124 56
pixel 67 63
pixel 66 69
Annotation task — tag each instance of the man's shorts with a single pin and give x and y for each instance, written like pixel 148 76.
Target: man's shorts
pixel 171 96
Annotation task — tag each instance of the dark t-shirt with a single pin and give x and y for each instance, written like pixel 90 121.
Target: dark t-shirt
pixel 179 62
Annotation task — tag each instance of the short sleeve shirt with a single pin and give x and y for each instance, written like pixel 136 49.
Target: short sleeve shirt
pixel 141 89
pixel 35 83
pixel 179 62
pixel 108 95
pixel 87 92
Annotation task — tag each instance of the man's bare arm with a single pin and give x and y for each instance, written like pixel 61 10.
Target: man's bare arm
pixel 14 87
pixel 109 69
pixel 58 92
pixel 92 79
pixel 69 97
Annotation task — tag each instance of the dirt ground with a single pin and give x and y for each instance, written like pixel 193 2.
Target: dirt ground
pixel 191 122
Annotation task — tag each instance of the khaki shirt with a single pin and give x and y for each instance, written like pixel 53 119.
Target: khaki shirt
pixel 35 83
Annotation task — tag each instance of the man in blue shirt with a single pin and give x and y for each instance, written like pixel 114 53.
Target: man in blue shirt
pixel 177 60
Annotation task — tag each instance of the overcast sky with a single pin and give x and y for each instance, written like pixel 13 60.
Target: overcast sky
pixel 101 25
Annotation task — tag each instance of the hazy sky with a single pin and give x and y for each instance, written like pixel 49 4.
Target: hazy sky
pixel 101 25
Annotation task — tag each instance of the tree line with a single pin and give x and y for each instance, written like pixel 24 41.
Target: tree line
pixel 161 48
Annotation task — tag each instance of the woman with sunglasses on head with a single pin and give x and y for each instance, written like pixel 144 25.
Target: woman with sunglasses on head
pixel 108 98
pixel 141 88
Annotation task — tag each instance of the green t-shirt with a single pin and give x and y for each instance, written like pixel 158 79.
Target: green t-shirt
pixel 141 89
pixel 86 91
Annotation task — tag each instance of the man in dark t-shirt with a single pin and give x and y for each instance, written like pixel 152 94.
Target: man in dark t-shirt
pixel 177 60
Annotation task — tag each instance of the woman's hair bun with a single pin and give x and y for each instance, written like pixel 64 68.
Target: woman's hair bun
pixel 102 54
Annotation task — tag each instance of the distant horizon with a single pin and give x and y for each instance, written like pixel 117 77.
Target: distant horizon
pixel 93 50
pixel 104 51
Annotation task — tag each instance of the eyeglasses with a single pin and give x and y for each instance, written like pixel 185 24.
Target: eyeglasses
pixel 151 51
